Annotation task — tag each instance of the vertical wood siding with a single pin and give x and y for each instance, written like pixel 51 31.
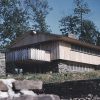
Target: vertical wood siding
pixel 53 48
pixel 26 54
pixel 66 53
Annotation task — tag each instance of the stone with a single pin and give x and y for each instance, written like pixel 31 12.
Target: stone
pixel 23 94
pixel 47 97
pixel 63 68
pixel 28 85
pixel 5 98
pixel 3 87
pixel 2 64
pixel 25 97
pixel 8 83
pixel 3 95
pixel 27 92
pixel 39 97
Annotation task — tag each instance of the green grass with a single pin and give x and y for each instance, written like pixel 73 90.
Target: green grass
pixel 57 77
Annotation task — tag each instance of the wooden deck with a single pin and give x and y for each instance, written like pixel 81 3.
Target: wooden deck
pixel 28 54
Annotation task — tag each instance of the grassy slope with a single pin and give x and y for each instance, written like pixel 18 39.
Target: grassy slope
pixel 57 77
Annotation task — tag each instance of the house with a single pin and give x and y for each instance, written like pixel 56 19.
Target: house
pixel 2 63
pixel 43 52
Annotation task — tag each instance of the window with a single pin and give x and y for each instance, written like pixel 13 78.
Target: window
pixel 79 67
pixel 84 50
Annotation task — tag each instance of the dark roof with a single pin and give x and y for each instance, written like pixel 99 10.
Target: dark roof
pixel 77 42
pixel 30 32
pixel 56 37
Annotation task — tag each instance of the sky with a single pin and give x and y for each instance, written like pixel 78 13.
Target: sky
pixel 65 7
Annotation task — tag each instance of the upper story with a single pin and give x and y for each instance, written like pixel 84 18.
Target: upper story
pixel 48 47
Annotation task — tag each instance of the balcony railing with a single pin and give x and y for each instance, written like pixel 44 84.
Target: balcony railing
pixel 28 54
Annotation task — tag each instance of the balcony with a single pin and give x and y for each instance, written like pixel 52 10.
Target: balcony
pixel 28 54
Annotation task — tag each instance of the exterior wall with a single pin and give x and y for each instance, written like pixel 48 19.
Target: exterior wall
pixel 53 48
pixel 36 54
pixel 52 53
pixel 2 64
pixel 58 50
pixel 63 68
pixel 27 54
pixel 66 53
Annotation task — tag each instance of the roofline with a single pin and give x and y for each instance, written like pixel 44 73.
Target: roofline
pixel 29 32
pixel 78 42
pixel 59 38
pixel 88 46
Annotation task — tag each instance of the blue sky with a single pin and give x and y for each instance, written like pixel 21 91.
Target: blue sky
pixel 65 7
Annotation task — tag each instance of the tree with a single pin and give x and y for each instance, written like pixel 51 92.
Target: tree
pixel 89 32
pixel 16 17
pixel 69 24
pixel 12 20
pixel 73 24
pixel 39 9
pixel 97 42
pixel 81 8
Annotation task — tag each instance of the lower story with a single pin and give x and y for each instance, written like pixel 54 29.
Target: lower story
pixel 61 66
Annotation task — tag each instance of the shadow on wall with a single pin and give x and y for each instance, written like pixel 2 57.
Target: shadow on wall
pixel 30 67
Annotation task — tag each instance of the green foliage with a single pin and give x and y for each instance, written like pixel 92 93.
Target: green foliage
pixel 18 16
pixel 89 32
pixel 39 9
pixel 57 77
pixel 81 8
pixel 73 23
pixel 69 24
pixel 76 24
pixel 97 38
pixel 12 20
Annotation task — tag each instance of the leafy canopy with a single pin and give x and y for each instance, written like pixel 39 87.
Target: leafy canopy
pixel 38 11
pixel 12 20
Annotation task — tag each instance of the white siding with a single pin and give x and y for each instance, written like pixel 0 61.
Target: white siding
pixel 66 53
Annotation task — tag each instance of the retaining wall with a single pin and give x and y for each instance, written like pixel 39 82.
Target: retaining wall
pixel 74 89
pixel 2 64
pixel 11 89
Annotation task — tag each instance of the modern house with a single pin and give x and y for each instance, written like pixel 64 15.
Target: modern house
pixel 43 52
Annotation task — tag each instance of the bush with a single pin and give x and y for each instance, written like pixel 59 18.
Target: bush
pixel 57 77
